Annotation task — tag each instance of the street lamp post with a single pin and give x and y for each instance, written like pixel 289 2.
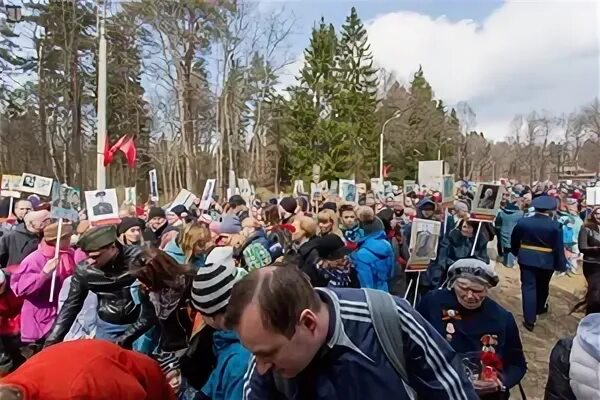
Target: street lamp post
pixel 396 115
pixel 13 13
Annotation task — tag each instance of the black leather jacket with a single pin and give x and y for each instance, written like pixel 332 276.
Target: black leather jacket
pixel 112 284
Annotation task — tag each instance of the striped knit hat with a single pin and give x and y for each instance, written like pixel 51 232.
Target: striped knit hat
pixel 211 289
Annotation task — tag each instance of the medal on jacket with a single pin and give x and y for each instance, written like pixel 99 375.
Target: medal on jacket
pixel 448 316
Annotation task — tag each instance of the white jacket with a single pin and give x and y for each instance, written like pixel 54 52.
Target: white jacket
pixel 584 372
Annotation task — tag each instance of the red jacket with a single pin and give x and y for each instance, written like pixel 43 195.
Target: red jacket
pixel 10 310
pixel 90 369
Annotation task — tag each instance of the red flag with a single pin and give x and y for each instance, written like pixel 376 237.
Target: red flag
pixel 386 170
pixel 124 144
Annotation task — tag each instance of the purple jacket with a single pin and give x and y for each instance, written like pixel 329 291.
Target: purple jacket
pixel 33 285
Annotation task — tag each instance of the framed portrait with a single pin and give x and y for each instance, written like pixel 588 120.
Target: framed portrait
pixel 315 191
pixel 32 183
pixel 424 238
pixel 207 194
pixel 378 189
pixel 184 198
pixel 298 188
pixel 153 185
pixel 488 197
pixel 409 186
pixel 11 186
pixel 592 196
pixel 102 204
pixel 348 191
pixel 130 195
pixel 66 202
pixel 447 189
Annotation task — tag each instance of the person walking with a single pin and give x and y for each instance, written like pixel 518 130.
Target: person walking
pixel 129 231
pixel 327 343
pixel 211 292
pixel 477 327
pixel 374 257
pixel 537 242
pixel 157 223
pixel 32 281
pixel 589 244
pixel 575 361
pixel 106 272
pixel 24 239
pixel 506 220
pixel 87 369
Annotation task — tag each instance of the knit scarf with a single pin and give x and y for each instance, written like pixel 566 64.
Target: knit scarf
pixel 66 266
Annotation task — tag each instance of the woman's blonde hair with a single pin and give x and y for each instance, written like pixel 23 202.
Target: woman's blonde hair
pixel 129 209
pixel 330 216
pixel 193 235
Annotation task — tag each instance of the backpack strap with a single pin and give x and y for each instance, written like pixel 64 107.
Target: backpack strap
pixel 386 323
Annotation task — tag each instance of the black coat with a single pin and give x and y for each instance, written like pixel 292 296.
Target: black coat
pixel 112 284
pixel 151 237
pixel 558 387
pixel 16 245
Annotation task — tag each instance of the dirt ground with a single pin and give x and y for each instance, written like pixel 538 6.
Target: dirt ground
pixel 565 292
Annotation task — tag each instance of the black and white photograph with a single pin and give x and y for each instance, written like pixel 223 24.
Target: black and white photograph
pixel 408 186
pixel 130 195
pixel 447 188
pixel 207 194
pixel 41 185
pixel 299 188
pixel 348 190
pixel 424 238
pixel 102 204
pixel 11 186
pixel 487 201
pixel 184 198
pixel 487 194
pixel 315 191
pixel 62 202
pixel 153 185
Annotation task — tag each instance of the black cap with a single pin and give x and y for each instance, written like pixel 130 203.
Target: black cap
pixel 329 205
pixel 331 247
pixel 179 210
pixel 236 200
pixel 128 223
pixel 156 212
pixel 100 193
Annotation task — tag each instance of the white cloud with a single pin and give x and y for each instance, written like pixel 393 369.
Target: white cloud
pixel 524 56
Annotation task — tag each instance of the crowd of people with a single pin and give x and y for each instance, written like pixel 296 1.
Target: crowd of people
pixel 291 298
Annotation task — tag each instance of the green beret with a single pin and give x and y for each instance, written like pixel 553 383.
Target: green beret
pixel 97 238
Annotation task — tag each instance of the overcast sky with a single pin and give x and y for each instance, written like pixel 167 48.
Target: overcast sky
pixel 503 58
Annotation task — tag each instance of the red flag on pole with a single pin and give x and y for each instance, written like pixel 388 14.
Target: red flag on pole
pixel 386 170
pixel 124 144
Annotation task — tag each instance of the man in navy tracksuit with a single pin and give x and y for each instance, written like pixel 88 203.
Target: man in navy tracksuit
pixel 320 344
pixel 537 242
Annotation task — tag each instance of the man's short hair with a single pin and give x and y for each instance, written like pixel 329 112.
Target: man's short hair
pixel 281 293
pixel 345 208
pixel 236 200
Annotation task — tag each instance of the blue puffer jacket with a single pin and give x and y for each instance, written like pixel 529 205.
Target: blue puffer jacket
pixel 374 261
pixel 227 379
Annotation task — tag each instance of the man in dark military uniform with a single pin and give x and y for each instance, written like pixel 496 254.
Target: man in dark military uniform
pixel 102 208
pixel 537 242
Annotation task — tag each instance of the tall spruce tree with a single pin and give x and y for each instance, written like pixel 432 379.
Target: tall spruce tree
pixel 355 102
pixel 311 136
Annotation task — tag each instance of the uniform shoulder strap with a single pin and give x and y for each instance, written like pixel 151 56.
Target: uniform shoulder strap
pixel 387 328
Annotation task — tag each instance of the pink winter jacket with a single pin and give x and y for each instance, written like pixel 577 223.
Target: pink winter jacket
pixel 31 284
